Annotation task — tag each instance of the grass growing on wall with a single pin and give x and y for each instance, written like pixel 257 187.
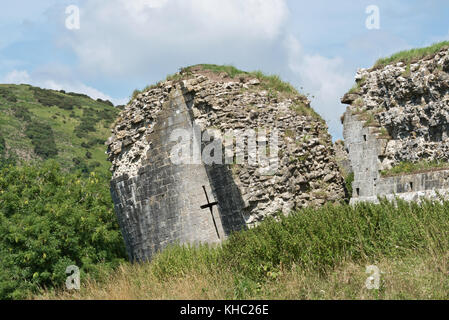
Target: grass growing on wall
pixel 409 55
pixel 309 254
pixel 407 167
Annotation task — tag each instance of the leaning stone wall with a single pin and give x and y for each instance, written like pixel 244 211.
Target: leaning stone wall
pixel 161 204
pixel 158 203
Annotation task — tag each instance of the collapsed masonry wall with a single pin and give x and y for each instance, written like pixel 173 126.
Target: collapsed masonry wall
pixel 158 203
pixel 398 113
pixel 366 151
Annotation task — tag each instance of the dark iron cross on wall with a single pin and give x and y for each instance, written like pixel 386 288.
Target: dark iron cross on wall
pixel 210 205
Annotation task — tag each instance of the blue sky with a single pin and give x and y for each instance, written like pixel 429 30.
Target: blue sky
pixel 127 44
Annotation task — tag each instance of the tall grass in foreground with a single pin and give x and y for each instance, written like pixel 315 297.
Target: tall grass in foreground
pixel 309 244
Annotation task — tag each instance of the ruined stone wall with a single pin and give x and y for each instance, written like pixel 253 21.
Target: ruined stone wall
pixel 366 150
pixel 398 113
pixel 158 202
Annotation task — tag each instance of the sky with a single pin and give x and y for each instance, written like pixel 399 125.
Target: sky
pixel 117 46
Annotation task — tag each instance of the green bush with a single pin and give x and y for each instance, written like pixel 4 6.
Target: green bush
pixel 4 159
pixel 50 220
pixel 8 95
pixel 50 98
pixel 42 138
pixel 2 146
pixel 21 113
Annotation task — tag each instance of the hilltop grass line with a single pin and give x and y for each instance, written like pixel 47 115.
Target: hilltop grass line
pixel 74 120
pixel 408 56
pixel 308 244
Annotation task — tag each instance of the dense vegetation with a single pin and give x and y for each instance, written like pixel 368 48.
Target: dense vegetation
pixel 322 238
pixel 309 244
pixel 50 220
pixel 39 124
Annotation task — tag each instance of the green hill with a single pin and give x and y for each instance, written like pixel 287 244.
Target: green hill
pixel 38 124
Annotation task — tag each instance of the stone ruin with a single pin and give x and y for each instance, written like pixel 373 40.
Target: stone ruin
pixel 399 113
pixel 159 203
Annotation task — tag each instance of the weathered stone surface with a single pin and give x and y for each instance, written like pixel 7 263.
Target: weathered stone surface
pixel 400 113
pixel 158 202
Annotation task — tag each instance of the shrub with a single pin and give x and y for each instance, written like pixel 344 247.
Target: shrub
pixel 8 95
pixel 2 146
pixel 5 160
pixel 50 98
pixel 50 220
pixel 42 138
pixel 109 103
pixel 21 113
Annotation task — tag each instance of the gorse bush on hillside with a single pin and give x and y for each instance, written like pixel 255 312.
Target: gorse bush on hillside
pixel 42 138
pixel 4 159
pixel 8 95
pixel 41 134
pixel 22 113
pixel 50 98
pixel 2 146
pixel 91 118
pixel 50 220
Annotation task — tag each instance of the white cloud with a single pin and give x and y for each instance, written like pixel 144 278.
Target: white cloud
pixel 39 79
pixel 119 37
pixel 16 77
pixel 325 78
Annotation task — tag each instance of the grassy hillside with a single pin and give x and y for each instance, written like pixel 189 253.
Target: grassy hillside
pixel 311 254
pixel 38 124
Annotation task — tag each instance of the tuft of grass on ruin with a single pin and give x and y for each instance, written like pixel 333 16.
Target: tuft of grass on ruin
pixel 412 55
pixel 406 167
pixel 302 109
pixel 272 83
pixel 357 86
